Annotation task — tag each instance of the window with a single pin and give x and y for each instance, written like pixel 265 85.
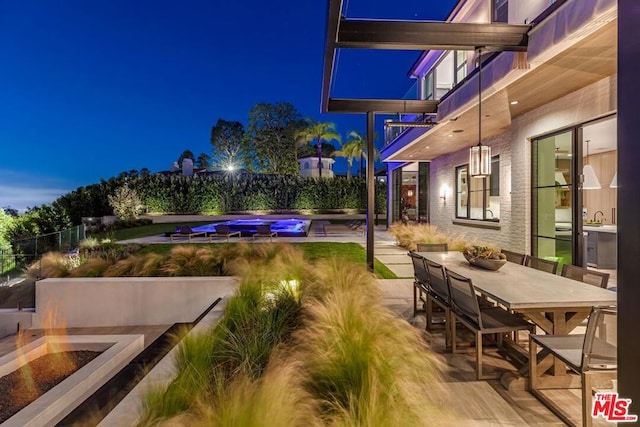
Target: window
pixel 429 86
pixel 501 11
pixel 461 65
pixel 478 198
pixel 306 165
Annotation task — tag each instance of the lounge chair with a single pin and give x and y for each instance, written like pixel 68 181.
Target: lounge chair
pixel 265 231
pixel 186 231
pixel 341 229
pixel 223 230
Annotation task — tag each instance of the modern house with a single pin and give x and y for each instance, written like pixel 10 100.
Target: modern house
pixel 548 115
pixel 549 121
pixel 309 167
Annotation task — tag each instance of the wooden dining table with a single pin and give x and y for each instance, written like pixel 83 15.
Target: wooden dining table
pixel 555 304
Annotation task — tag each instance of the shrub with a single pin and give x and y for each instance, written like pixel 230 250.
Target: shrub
pixel 94 267
pixel 236 351
pixel 126 203
pixel 349 348
pixel 88 245
pixel 342 367
pixel 409 235
pixel 51 265
pixel 187 260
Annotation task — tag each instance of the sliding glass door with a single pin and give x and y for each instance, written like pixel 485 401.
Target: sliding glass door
pixel 555 197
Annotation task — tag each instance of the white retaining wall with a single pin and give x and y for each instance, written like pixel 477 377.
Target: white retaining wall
pixel 125 301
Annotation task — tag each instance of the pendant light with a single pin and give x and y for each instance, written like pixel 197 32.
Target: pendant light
pixel 614 181
pixel 480 155
pixel 590 181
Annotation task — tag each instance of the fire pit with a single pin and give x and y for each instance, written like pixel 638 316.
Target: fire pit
pixel 54 405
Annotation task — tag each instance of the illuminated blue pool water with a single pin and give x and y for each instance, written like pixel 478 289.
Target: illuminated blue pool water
pixel 248 227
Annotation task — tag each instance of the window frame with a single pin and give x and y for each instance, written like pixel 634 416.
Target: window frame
pixel 486 192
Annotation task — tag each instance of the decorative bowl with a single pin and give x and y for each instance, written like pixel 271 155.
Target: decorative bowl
pixel 489 264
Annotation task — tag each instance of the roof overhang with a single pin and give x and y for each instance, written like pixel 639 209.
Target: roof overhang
pixel 405 35
pixel 558 76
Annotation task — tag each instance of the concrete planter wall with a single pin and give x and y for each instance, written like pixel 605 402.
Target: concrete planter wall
pixel 125 301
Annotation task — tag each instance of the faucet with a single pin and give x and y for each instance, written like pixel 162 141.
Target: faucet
pixel 596 213
pixel 491 212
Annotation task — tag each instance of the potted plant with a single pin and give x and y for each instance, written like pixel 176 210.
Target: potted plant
pixel 484 256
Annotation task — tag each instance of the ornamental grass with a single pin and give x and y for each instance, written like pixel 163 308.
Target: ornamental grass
pixel 409 235
pixel 300 345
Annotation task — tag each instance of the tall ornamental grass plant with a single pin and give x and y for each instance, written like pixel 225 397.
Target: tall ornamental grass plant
pixel 300 345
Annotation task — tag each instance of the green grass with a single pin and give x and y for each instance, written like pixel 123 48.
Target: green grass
pixel 147 230
pixel 313 251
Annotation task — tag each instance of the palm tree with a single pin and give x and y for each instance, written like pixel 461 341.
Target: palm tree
pixel 318 133
pixel 350 150
pixel 360 148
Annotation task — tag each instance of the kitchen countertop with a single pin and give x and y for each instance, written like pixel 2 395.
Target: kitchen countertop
pixel 601 229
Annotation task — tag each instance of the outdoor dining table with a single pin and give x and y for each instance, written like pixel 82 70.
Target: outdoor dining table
pixel 555 304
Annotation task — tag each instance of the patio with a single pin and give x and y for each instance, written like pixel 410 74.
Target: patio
pixel 473 402
pixel 481 402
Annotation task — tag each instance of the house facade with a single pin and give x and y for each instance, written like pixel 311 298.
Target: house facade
pixel 549 116
pixel 309 167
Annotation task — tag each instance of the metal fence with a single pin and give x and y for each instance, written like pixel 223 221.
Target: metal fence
pixel 25 252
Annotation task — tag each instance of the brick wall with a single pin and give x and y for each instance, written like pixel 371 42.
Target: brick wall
pixel 514 148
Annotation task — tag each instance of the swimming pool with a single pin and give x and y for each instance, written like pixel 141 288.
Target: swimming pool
pixel 248 227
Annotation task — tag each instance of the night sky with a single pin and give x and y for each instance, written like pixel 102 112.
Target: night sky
pixel 89 89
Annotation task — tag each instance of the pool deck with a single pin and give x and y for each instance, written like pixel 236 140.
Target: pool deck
pixel 316 234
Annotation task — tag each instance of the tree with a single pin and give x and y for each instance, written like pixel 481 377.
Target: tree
pixel 318 133
pixel 229 145
pixel 328 150
pixel 203 161
pixel 272 129
pixel 350 150
pixel 10 211
pixel 186 154
pixel 359 148
pixel 126 203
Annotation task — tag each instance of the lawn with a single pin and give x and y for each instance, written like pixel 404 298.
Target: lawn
pixel 312 251
pixel 147 230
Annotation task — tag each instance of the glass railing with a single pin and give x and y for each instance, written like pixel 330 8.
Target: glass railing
pixel 391 133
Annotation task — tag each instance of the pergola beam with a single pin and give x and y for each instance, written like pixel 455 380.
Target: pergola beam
pixel 408 35
pixel 384 106
pixel 333 19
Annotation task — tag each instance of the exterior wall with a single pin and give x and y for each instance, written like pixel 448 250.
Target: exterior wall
pixel 312 170
pixel 593 101
pixel 514 148
pixel 443 174
pixel 125 301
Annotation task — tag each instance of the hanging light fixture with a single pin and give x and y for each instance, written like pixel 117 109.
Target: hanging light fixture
pixel 590 180
pixel 480 155
pixel 614 181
